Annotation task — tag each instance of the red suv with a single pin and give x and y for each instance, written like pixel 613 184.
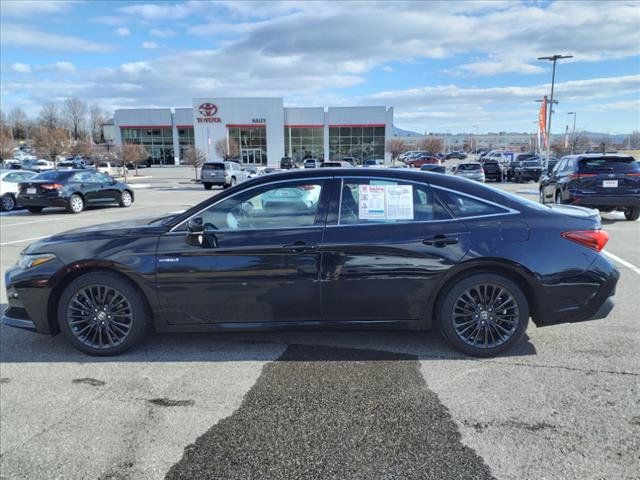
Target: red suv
pixel 427 160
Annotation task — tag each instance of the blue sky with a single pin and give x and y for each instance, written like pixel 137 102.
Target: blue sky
pixel 444 66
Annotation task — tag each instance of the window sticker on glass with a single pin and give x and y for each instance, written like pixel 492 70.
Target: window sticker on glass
pixel 371 202
pixel 399 199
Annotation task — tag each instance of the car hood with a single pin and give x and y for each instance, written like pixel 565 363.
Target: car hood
pixel 136 227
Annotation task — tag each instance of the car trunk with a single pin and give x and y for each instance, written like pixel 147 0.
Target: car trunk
pixel 608 176
pixel 586 218
pixel 35 188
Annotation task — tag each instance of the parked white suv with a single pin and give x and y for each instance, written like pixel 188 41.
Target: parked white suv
pixel 224 174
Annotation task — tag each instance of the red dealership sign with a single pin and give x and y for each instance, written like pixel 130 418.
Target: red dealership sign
pixel 208 110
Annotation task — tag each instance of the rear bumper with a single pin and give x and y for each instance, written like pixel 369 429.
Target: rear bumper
pixel 213 181
pixel 41 201
pixel 606 200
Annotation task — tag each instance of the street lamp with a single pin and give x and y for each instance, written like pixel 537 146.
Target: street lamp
pixel 554 59
pixel 573 134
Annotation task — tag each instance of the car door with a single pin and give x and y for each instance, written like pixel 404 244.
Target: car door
pixel 563 178
pixel 390 243
pixel 88 185
pixel 549 185
pixel 261 262
pixel 109 191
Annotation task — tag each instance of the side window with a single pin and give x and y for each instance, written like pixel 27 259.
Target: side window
pixel 282 205
pixel 463 206
pixel 12 178
pixel 84 177
pixel 371 200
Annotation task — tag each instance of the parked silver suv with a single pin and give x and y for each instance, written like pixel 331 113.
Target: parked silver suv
pixel 222 174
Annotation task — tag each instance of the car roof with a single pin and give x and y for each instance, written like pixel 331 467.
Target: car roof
pixel 598 155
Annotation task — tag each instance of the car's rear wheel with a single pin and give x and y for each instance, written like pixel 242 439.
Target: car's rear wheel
pixel 126 199
pixel 75 204
pixel 632 213
pixel 35 209
pixel 541 196
pixel 558 198
pixel 484 314
pixel 101 314
pixel 7 203
pixel 207 186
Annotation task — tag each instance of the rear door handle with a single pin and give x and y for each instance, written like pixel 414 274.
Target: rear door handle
pixel 300 246
pixel 440 240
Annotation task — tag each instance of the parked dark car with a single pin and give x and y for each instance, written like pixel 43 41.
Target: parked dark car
pixel 510 167
pixel 492 170
pixel 606 182
pixel 287 162
pixel 433 168
pixel 72 163
pixel 73 190
pixel 345 248
pixel 458 155
pixel 527 170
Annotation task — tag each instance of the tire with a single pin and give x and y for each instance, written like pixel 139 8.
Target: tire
pixel 75 204
pixel 489 339
pixel 541 197
pixel 101 335
pixel 7 202
pixel 233 182
pixel 632 213
pixel 412 165
pixel 207 186
pixel 35 209
pixel 126 199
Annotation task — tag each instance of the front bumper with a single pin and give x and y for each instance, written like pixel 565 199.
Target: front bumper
pixel 14 317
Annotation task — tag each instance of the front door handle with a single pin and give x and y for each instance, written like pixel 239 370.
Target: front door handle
pixel 440 241
pixel 300 246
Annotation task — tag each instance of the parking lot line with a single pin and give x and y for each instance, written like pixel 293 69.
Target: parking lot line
pixel 621 261
pixel 23 240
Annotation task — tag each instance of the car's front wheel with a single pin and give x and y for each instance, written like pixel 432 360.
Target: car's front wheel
pixel 632 213
pixel 75 204
pixel 101 314
pixel 126 199
pixel 484 314
pixel 8 202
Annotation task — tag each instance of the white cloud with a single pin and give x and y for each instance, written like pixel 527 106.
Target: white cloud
pixel 26 37
pixel 387 69
pixel 149 45
pixel 162 33
pixel 164 11
pixel 31 8
pixel 123 31
pixel 499 67
pixel 64 67
pixel 21 68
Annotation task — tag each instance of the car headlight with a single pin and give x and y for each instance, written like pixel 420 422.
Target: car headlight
pixel 30 261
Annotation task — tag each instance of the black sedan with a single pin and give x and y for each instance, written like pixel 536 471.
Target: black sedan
pixel 73 190
pixel 367 248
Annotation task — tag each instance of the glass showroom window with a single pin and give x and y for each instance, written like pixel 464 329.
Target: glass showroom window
pixel 362 143
pixel 185 139
pixel 158 142
pixel 253 144
pixel 304 142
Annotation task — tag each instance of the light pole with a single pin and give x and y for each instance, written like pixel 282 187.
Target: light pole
pixel 554 59
pixel 573 133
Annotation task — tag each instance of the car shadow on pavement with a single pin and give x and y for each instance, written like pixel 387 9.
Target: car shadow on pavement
pixel 22 346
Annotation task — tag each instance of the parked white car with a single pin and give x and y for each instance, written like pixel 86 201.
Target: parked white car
pixel 110 168
pixel 43 165
pixel 9 180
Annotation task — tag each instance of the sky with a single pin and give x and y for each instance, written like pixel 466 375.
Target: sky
pixel 444 66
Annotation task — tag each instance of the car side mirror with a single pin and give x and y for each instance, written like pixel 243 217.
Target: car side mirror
pixel 200 234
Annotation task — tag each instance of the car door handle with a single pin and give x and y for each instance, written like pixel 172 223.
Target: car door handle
pixel 300 246
pixel 440 241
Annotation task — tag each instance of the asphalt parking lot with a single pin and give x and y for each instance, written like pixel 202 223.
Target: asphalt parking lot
pixel 564 404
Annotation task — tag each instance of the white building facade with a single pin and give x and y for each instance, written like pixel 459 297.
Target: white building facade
pixel 263 129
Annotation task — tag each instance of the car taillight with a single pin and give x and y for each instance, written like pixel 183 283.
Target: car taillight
pixel 51 186
pixel 578 176
pixel 635 174
pixel 594 239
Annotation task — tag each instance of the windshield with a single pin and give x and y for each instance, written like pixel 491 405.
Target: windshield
pixel 468 167
pixel 213 166
pixel 608 164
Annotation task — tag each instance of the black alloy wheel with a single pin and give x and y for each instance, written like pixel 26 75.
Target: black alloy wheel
pixel 484 314
pixel 632 213
pixel 101 314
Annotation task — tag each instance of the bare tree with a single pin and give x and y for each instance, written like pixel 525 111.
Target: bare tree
pixel 81 148
pixel 51 142
pixel 396 147
pixel 49 116
pixel 4 126
pixel 196 157
pixel 97 119
pixel 75 112
pixel 6 145
pixel 18 123
pixel 227 148
pixel 431 144
pixel 133 153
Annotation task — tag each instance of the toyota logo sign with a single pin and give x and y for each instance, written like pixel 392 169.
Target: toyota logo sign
pixel 208 109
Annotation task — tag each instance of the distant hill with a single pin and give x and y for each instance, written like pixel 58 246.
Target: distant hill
pixel 398 132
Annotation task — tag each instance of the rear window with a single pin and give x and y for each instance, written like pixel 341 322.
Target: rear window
pixel 608 164
pixel 331 164
pixel 52 175
pixel 468 166
pixel 213 166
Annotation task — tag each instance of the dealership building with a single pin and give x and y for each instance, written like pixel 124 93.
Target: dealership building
pixel 263 128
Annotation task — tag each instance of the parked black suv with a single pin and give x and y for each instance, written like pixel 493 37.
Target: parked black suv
pixel 606 182
pixel 492 170
pixel 528 170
